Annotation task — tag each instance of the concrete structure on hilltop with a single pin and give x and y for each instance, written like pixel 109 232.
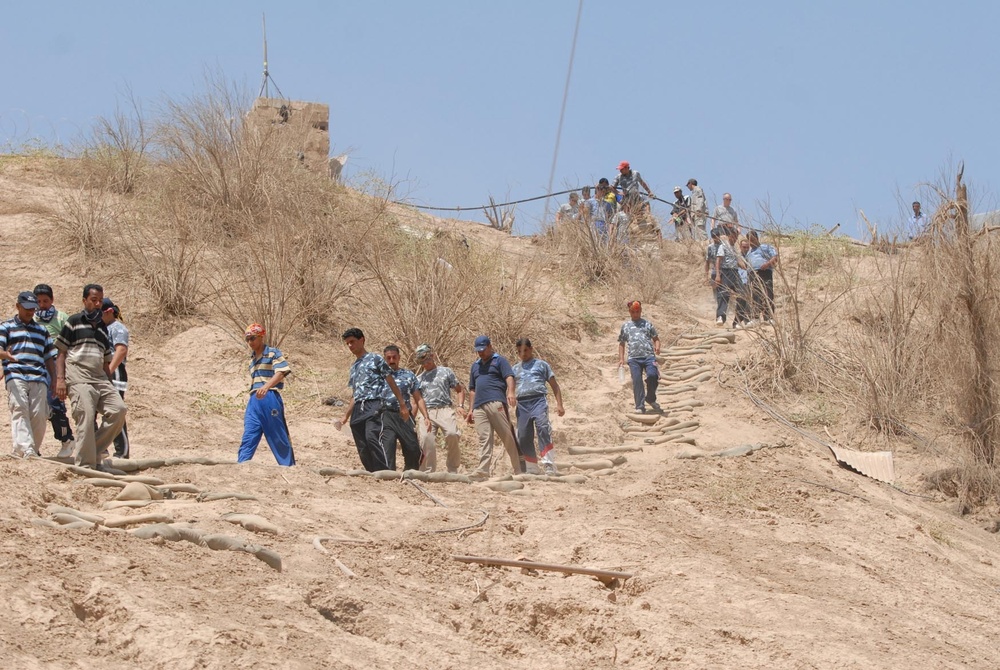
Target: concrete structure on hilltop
pixel 307 122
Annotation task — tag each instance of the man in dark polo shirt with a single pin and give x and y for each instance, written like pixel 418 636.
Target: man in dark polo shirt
pixel 83 374
pixel 491 394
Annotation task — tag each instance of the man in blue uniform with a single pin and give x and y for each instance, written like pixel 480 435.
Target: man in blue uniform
pixel 368 378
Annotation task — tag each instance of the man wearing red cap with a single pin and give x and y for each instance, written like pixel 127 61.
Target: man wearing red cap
pixel 642 342
pixel 627 184
pixel 265 413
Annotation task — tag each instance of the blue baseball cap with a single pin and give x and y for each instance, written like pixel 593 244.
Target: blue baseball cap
pixel 481 343
pixel 27 300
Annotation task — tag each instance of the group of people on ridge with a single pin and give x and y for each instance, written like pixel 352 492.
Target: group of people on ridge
pixel 50 358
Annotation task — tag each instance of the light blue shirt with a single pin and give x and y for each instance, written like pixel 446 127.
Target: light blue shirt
pixel 531 377
pixel 762 254
pixel 917 225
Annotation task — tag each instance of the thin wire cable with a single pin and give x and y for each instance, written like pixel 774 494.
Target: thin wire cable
pixel 562 111
pixel 478 207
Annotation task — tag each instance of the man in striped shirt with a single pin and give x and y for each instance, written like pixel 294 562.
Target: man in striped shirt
pixel 265 413
pixel 27 351
pixel 83 374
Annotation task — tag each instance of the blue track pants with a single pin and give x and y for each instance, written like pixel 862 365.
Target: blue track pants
pixel 266 418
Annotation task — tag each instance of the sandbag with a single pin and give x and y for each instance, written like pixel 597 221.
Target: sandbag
pixel 166 531
pixel 139 491
pixel 142 479
pixel 252 522
pixel 503 486
pixel 59 509
pixel 122 521
pixel 129 465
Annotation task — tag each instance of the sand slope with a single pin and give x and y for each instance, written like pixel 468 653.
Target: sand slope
pixel 779 559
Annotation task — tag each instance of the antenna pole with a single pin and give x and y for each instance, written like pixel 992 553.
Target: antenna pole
pixel 263 84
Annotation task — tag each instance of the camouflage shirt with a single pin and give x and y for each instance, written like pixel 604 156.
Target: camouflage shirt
pixel 638 335
pixel 436 386
pixel 368 375
pixel 530 377
pixel 407 383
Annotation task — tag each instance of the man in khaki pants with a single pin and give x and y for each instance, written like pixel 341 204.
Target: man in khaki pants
pixel 436 383
pixel 83 373
pixel 491 394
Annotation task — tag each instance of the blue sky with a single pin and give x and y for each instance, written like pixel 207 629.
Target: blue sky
pixel 823 108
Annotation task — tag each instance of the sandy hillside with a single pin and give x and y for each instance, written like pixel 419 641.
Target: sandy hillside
pixel 779 559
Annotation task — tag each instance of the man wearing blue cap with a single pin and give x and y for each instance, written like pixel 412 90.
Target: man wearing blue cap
pixel 27 351
pixel 491 395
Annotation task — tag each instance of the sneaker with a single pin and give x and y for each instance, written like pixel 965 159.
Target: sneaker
pixel 66 451
pixel 640 410
pixel 551 470
pixel 655 406
pixel 532 469
pixel 750 324
pixel 738 326
pixel 719 321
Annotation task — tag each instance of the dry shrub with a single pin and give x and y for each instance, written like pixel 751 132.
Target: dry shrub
pixel 444 292
pixel 223 163
pixel 115 156
pixel 790 355
pixel 225 215
pixel 86 221
pixel 165 239
pixel 968 317
pixel 646 276
pixel 888 344
pixel 588 257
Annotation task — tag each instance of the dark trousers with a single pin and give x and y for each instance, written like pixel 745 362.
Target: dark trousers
pixel 121 442
pixel 532 417
pixel 732 288
pixel 762 292
pixel 648 394
pixel 394 430
pixel 716 294
pixel 367 426
pixel 61 428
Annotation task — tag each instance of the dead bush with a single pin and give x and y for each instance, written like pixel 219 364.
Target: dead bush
pixel 888 343
pixel 224 164
pixel 444 292
pixel 968 308
pixel 165 240
pixel 115 156
pixel 86 221
pixel 587 256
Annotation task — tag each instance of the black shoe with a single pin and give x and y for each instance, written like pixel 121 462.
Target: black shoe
pixel 655 406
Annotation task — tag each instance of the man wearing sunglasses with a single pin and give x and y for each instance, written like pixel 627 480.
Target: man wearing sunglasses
pixel 265 413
